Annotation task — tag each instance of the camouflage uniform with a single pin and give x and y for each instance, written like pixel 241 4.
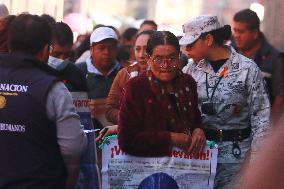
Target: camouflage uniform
pixel 240 101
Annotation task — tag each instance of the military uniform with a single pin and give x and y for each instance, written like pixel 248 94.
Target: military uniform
pixel 235 109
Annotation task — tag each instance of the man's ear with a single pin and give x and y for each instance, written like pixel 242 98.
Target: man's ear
pixel 43 54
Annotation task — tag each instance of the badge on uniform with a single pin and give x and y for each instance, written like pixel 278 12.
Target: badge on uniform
pixel 2 101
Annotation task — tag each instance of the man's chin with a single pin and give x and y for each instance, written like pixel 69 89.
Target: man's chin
pixel 108 61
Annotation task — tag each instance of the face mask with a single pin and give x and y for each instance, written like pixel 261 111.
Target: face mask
pixel 55 63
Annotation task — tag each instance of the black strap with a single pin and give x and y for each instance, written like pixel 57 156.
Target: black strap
pixel 214 89
pixel 227 135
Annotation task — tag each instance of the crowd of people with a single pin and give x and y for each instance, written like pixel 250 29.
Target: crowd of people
pixel 229 89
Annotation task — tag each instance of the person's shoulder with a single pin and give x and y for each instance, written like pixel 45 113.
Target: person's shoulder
pixel 247 65
pixel 141 79
pixel 122 71
pixel 138 82
pixel 122 77
pixel 243 61
pixel 133 68
pixel 137 88
pixel 58 89
pixel 189 66
pixel 74 68
pixel 266 46
pixel 74 71
pixel 269 53
pixel 188 77
pixel 243 58
pixel 82 66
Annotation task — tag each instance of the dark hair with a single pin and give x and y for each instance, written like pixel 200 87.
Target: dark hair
pixel 9 19
pixel 220 35
pixel 162 38
pixel 51 21
pixel 29 33
pixel 183 60
pixel 145 32
pixel 249 17
pixel 129 33
pixel 84 46
pixel 149 22
pixel 97 26
pixel 123 52
pixel 62 34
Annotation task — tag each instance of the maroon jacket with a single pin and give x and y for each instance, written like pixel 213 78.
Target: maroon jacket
pixel 142 126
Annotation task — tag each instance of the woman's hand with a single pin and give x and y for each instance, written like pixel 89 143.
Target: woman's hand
pixel 109 130
pixel 198 141
pixel 181 140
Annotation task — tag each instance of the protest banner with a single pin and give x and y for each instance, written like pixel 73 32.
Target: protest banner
pixel 120 170
pixel 89 171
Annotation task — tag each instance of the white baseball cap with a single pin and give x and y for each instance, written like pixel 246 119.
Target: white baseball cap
pixel 102 33
pixel 195 27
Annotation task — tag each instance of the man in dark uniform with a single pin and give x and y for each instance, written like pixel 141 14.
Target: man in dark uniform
pixel 41 139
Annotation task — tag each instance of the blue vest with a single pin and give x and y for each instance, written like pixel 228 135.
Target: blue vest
pixel 30 155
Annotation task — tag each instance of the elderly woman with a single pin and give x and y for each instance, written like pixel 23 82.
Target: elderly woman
pixel 234 103
pixel 122 77
pixel 159 109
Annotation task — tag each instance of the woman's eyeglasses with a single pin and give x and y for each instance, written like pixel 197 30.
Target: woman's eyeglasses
pixel 171 62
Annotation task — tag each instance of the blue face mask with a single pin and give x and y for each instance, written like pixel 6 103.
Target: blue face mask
pixel 56 63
